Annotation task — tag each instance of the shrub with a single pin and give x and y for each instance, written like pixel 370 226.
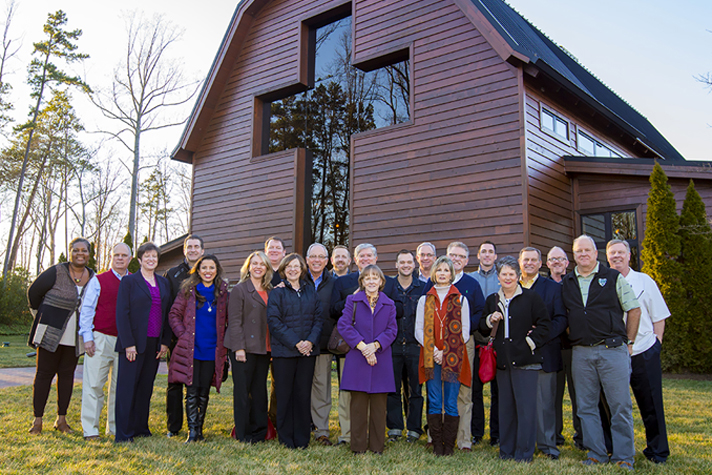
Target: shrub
pixel 14 309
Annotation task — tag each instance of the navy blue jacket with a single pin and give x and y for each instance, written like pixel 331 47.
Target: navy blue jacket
pixel 326 287
pixel 470 288
pixel 293 316
pixel 132 308
pixel 550 293
pixel 406 325
pixel 346 285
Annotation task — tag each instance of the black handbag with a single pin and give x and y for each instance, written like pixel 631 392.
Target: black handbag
pixel 336 344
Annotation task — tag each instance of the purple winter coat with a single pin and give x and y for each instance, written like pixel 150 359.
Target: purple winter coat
pixel 380 326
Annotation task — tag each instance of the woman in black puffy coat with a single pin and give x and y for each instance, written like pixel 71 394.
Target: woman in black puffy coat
pixel 294 318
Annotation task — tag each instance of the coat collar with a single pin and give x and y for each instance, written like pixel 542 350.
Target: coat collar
pixel 250 287
pixel 360 296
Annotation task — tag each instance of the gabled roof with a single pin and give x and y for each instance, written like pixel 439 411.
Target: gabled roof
pixel 525 39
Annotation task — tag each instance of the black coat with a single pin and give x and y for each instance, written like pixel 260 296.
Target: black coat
pixel 133 305
pixel 550 293
pixel 326 287
pixel 293 316
pixel 527 311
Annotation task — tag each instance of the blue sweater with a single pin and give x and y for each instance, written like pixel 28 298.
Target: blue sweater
pixel 206 330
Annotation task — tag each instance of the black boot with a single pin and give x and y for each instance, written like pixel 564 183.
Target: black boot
pixel 192 413
pixel 203 397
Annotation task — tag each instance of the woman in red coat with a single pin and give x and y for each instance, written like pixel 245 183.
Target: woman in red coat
pixel 198 319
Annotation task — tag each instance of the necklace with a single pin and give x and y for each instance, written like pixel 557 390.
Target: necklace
pixel 210 307
pixel 79 279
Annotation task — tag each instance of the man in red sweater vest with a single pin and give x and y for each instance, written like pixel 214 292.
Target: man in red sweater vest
pixel 97 325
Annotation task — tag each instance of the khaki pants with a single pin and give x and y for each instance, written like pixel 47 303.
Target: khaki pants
pixel 321 395
pixel 95 375
pixel 344 408
pixel 464 403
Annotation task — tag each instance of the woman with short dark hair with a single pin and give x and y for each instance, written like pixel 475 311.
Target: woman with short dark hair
pixel 143 337
pixel 198 318
pixel 55 298
pixel 523 327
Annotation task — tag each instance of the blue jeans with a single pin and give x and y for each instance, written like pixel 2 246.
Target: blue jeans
pixel 441 394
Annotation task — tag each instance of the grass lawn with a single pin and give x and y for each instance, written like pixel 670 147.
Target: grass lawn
pixel 689 416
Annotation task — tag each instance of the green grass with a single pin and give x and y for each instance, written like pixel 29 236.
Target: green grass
pixel 689 417
pixel 14 355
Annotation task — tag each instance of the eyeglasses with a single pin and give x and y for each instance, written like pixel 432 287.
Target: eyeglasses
pixel 557 259
pixel 456 256
pixel 320 257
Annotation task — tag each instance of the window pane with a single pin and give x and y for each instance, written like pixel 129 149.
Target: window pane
pixel 547 120
pixel 562 128
pixel 585 144
pixel 634 258
pixel 623 225
pixel 595 226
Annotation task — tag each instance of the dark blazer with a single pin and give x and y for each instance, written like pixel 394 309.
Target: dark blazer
pixel 132 307
pixel 550 293
pixel 347 285
pixel 246 320
pixel 325 290
pixel 527 311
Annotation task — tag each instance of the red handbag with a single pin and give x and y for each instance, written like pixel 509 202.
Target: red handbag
pixel 488 358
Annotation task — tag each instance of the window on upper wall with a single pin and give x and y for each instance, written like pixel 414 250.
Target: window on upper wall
pixel 603 227
pixel 344 101
pixel 593 148
pixel 554 124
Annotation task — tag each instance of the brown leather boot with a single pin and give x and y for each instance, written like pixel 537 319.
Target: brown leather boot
pixel 435 427
pixel 450 425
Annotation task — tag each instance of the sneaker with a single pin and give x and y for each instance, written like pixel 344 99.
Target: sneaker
pixel 393 438
pixel 411 439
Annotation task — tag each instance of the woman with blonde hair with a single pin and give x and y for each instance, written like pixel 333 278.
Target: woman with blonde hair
pixel 247 338
pixel 368 325
pixel 442 327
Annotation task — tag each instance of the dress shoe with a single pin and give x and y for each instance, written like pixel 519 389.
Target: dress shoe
pixel 92 437
pixel 170 434
pixel 494 442
pixel 324 440
pixel 552 456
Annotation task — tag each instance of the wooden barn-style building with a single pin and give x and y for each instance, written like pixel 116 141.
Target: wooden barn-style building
pixel 507 138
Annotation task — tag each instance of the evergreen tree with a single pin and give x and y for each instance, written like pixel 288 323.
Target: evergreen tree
pixel 696 260
pixel 133 265
pixel 91 264
pixel 661 250
pixel 62 258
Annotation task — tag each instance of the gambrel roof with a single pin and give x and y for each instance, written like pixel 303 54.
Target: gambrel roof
pixel 510 34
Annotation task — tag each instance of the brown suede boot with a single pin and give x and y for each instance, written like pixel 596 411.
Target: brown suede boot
pixel 450 425
pixel 435 426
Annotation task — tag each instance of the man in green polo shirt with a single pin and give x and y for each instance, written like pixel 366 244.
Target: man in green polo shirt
pixel 596 298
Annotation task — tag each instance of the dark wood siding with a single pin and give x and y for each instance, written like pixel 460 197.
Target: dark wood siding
pixel 551 208
pixel 606 193
pixel 454 172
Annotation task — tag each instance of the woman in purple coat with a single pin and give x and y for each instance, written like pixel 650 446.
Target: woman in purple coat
pixel 368 325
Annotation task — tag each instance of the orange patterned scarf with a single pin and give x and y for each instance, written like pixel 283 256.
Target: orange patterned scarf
pixel 453 343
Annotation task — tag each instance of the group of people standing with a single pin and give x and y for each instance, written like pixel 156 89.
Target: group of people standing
pixel 590 327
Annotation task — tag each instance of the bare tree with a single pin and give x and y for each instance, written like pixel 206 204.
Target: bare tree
pixel 146 83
